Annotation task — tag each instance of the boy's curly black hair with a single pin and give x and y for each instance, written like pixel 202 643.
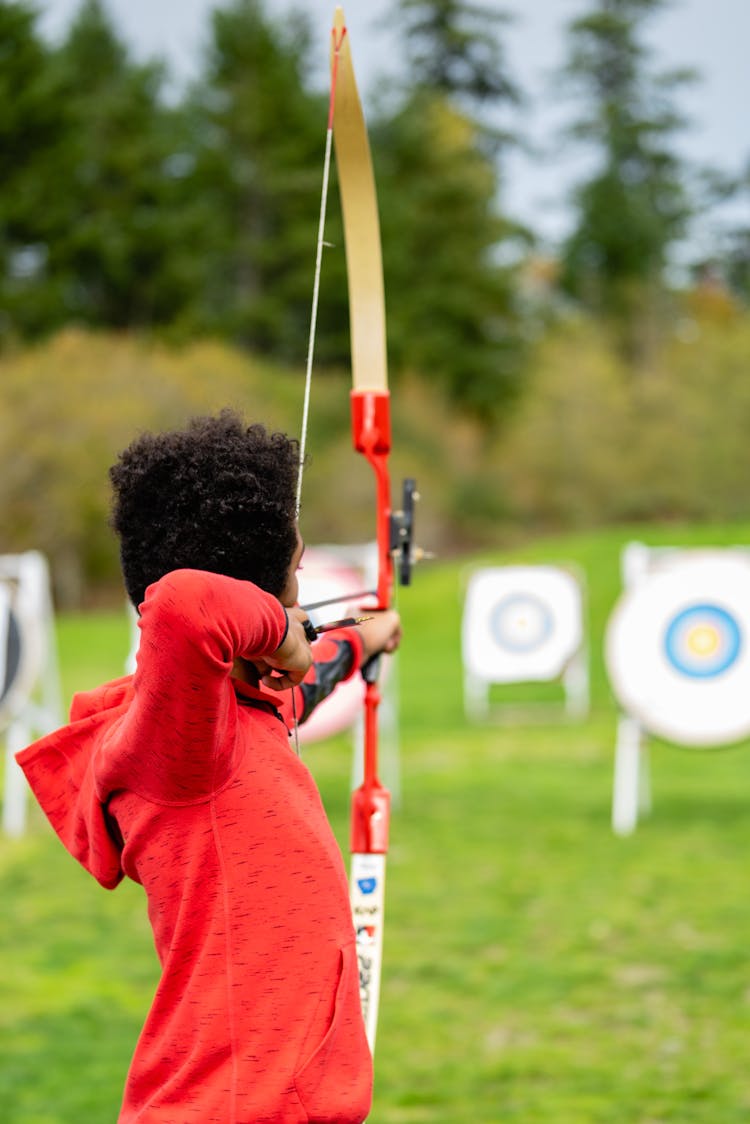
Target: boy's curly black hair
pixel 215 496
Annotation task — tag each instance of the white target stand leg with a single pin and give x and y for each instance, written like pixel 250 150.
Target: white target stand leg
pixel 631 791
pixel 576 686
pixel 476 697
pixel 644 779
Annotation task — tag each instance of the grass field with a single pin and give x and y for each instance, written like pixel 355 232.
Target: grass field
pixel 537 969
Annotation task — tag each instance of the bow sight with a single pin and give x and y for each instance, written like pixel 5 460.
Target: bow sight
pixel 402 533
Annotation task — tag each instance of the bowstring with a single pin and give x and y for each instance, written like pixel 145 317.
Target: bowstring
pixel 321 243
pixel 297 749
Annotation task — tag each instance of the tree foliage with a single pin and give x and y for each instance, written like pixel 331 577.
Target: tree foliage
pixel 457 318
pixel 127 212
pixel 586 446
pixel 455 48
pixel 442 162
pixel 258 147
pixel 93 225
pixel 119 229
pixel 31 124
pixel 731 257
pixel 633 208
pixel 122 210
pixel 592 446
pixel 69 405
pixel 66 409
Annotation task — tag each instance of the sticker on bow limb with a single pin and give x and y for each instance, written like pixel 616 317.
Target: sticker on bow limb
pixel 677 648
pixel 367 890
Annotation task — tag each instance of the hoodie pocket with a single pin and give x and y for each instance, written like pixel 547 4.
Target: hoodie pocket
pixel 334 1084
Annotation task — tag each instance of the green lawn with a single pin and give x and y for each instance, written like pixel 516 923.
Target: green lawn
pixel 537 969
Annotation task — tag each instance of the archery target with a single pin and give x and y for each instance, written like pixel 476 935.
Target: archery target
pixel 677 649
pixel 323 576
pixel 10 651
pixel 702 641
pixel 20 653
pixel 521 623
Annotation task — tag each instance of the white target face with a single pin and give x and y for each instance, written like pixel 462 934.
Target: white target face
pixel 521 623
pixel 324 576
pixel 21 648
pixel 678 649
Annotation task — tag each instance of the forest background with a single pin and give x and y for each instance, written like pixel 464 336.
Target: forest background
pixel 156 260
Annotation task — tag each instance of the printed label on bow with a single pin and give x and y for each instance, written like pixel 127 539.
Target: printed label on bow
pixel 367 897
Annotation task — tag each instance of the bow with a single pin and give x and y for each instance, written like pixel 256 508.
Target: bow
pixel 371 433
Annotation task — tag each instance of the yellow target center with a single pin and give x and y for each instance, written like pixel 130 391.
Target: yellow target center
pixel 703 640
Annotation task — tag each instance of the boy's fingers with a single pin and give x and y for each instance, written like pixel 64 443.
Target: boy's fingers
pixel 283 681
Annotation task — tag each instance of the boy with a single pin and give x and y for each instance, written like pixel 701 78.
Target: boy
pixel 182 778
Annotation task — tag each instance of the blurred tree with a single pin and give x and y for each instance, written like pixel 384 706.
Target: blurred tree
pixel 259 139
pixel 31 124
pixel 634 206
pixel 735 244
pixel 449 249
pixel 123 229
pixel 454 312
pixel 454 48
pixel 738 263
pixel 69 404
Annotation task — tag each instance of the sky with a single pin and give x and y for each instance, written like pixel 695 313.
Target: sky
pixel 708 35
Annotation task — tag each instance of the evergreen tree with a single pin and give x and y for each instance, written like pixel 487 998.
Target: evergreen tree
pixel 454 48
pixel 735 244
pixel 259 142
pixel 118 258
pixel 738 263
pixel 633 209
pixel 455 313
pixel 31 124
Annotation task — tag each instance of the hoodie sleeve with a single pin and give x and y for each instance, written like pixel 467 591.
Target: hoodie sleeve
pixel 336 656
pixel 59 769
pixel 177 739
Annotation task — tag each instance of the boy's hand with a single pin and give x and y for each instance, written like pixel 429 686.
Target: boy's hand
pixel 288 665
pixel 382 633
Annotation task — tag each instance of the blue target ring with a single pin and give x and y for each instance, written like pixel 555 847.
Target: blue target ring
pixel 702 641
pixel 521 623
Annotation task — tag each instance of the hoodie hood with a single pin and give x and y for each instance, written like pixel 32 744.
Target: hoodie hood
pixel 60 769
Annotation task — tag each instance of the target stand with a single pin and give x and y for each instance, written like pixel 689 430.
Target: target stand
pixel 524 624
pixel 30 694
pixel 677 651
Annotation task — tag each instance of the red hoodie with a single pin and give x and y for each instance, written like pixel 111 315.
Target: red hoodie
pixel 184 780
